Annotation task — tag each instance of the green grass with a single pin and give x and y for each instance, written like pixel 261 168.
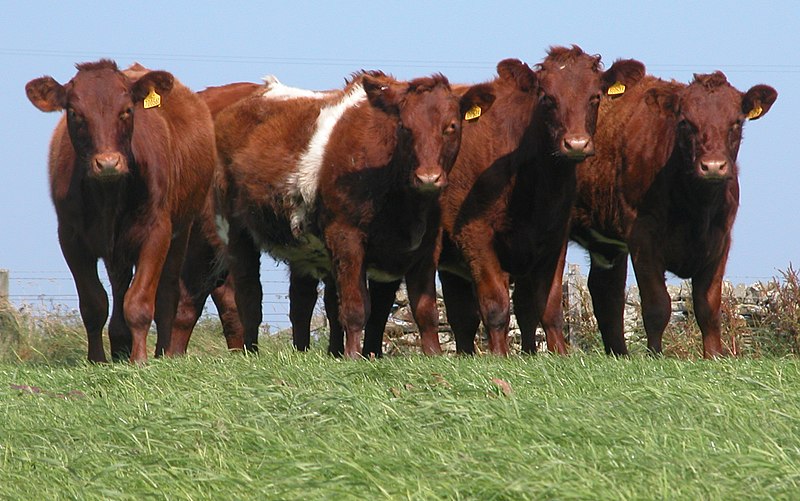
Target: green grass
pixel 284 425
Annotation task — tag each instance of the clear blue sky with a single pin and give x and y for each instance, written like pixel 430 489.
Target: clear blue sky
pixel 315 45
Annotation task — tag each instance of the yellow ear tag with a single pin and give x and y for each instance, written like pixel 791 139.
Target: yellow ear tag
pixel 152 100
pixel 472 113
pixel 617 89
pixel 755 112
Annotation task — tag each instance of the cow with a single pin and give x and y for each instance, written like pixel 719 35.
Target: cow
pixel 506 211
pixel 344 186
pixel 130 165
pixel 204 270
pixel 663 187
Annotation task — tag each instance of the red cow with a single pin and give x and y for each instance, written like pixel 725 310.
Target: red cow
pixel 664 186
pixel 346 186
pixel 204 271
pixel 130 166
pixel 506 211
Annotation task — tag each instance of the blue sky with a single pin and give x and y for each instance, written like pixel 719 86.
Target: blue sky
pixel 315 45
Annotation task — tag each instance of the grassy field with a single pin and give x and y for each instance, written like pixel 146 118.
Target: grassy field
pixel 284 425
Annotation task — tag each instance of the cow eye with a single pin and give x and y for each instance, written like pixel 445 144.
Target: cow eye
pixel 451 128
pixel 74 117
pixel 126 114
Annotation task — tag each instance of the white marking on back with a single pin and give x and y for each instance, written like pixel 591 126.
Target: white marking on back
pixel 278 91
pixel 304 180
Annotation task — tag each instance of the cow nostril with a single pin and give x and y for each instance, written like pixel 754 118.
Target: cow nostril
pixel 576 143
pixel 435 179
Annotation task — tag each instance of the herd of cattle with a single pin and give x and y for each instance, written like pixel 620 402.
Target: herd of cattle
pixel 386 180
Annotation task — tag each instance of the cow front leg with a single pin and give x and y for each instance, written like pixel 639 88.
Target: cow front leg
pixel 335 329
pixel 656 303
pixel 707 299
pixel 346 247
pixel 139 305
pixel 119 333
pixel 92 297
pixel 421 285
pixel 224 297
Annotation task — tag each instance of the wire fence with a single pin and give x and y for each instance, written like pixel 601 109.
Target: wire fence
pixel 54 291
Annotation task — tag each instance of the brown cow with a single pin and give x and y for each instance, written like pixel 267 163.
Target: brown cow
pixel 664 186
pixel 344 186
pixel 506 211
pixel 204 271
pixel 130 167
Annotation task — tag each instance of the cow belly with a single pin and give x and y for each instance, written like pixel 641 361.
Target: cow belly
pixel 309 256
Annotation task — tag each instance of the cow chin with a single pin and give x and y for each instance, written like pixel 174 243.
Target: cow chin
pixel 108 175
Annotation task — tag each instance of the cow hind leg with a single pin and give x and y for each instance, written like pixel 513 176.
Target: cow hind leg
pixel 382 296
pixel 118 331
pixel 302 299
pixel 168 293
pixel 607 289
pixel 335 329
pixel 461 307
pixel 225 301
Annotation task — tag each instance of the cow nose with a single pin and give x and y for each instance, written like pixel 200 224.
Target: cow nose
pixel 107 162
pixel 578 145
pixel 714 168
pixel 431 179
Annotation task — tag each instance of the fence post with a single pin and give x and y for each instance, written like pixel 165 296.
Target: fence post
pixel 3 285
pixel 573 300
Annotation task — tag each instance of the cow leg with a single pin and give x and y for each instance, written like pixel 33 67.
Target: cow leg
pixel 245 266
pixel 169 291
pixel 92 297
pixel 335 330
pixel 707 299
pixel 656 303
pixel 196 282
pixel 461 308
pixel 381 298
pixel 349 271
pixel 553 316
pixel 119 333
pixel 494 303
pixel 421 284
pixel 607 288
pixel 225 301
pixel 302 299
pixel 139 303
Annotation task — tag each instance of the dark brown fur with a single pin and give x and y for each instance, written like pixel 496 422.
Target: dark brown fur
pixel 125 194
pixel 506 211
pixel 664 183
pixel 376 205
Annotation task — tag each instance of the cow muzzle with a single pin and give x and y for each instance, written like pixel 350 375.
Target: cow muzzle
pixel 577 146
pixel 430 180
pixel 108 165
pixel 714 168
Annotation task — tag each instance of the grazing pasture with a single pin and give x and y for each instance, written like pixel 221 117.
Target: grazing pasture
pixel 288 425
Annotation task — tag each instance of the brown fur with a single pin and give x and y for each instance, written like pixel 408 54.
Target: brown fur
pixel 204 271
pixel 506 211
pixel 128 198
pixel 664 183
pixel 376 205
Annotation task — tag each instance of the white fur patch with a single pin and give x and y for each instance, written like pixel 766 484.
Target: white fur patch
pixel 278 91
pixel 223 228
pixel 304 180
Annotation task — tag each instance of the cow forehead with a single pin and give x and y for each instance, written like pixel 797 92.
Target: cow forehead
pixel 576 77
pixel 104 85
pixel 439 103
pixel 711 104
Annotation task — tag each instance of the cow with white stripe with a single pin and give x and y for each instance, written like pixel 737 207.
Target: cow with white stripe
pixel 344 186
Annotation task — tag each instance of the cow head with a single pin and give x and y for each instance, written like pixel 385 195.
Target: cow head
pixel 570 84
pixel 101 103
pixel 431 113
pixel 710 114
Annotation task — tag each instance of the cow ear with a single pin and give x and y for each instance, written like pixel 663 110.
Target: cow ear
pixel 383 95
pixel 665 100
pixel 46 94
pixel 757 101
pixel 514 70
pixel 627 72
pixel 477 100
pixel 158 81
